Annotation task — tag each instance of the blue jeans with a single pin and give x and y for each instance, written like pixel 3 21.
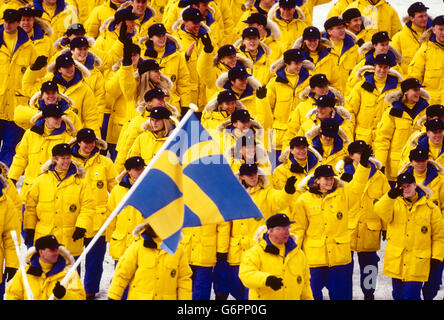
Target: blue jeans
pixel 202 281
pixel 431 287
pixel 368 265
pixel 337 279
pixel 94 264
pixel 10 135
pixel 406 290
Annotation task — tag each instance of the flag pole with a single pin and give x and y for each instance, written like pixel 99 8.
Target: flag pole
pixel 22 268
pixel 192 108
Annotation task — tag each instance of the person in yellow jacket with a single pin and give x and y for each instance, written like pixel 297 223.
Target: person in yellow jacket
pixel 427 63
pixel 243 9
pixel 415 236
pixel 150 272
pixel 321 218
pixel 290 20
pixel 364 225
pixel 60 202
pixel 241 232
pixel 407 40
pixel 57 13
pixel 329 140
pixel 366 102
pixel 100 175
pixel 298 160
pixel 72 31
pixel 50 127
pixel 358 24
pixel 48 264
pixel 146 15
pixel 99 14
pixel 9 222
pixel 319 51
pixel 344 47
pixel 16 54
pixel 291 76
pixel 275 268
pixel 167 51
pixel 84 8
pixel 251 47
pixel 397 124
pixel 379 44
pixel 381 14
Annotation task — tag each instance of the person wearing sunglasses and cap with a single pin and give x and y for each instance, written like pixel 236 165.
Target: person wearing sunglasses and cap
pixel 321 214
pixel 276 268
pixel 415 236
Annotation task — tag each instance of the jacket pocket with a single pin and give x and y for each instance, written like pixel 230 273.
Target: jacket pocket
pixel 392 259
pixel 340 251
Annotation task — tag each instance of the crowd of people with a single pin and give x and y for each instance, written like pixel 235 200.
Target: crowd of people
pixel 335 132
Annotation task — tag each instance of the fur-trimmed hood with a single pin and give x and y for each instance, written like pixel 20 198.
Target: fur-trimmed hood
pixel 81 172
pixel 438 166
pixel 360 72
pixel 316 130
pixel 267 50
pixel 69 259
pixel 297 44
pixel 367 46
pixel 259 234
pixel 261 153
pixel 85 72
pixel 100 143
pixel 340 110
pixel 426 35
pixel 36 96
pixel 46 27
pixel 212 105
pixel 283 158
pixel 303 184
pixel 97 61
pixel 303 95
pixel 69 124
pixel 272 12
pixel 279 64
pixel 397 95
pixel 144 39
pixel 59 43
pixel 242 59
pixel 262 182
pixel 223 78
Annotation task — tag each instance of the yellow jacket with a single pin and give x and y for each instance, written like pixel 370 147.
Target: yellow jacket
pixel 57 207
pixel 322 220
pixel 414 236
pixel 42 284
pixel 264 259
pixel 151 273
pixel 97 16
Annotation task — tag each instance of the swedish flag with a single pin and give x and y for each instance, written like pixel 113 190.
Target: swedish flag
pixel 189 184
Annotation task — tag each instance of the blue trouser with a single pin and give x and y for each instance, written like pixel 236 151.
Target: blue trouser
pixel 226 279
pixel 2 286
pixel 431 287
pixel 337 279
pixel 202 281
pixel 10 135
pixel 368 266
pixel 406 290
pixel 94 264
pixel 112 151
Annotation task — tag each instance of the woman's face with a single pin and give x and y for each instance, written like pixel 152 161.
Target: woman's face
pixel 312 44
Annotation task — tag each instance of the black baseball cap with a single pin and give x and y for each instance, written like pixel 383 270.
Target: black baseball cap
pixel 64 60
pixel 318 80
pixel 86 134
pixel 435 110
pixel 156 29
pixel 326 100
pixel 241 115
pixel 311 33
pixel 148 65
pixel 298 142
pixel 381 36
pixel 75 28
pixel 384 59
pixel 52 110
pixel 78 42
pixel 154 93
pixel 226 50
pixel 278 220
pixel 29 12
pixel 192 14
pixel 46 242
pixel 134 163
pixel 225 96
pixel 324 170
pixel 247 169
pixel 439 20
pixel 416 7
pixel 11 15
pixel 250 32
pixel 406 177
pixel 410 83
pixel 294 54
pixel 434 124
pixel 350 14
pixel 287 3
pixel 49 85
pixel 356 146
pixel 329 127
pixel 332 22
pixel 61 149
pixel 238 73
pixel 160 113
pixel 256 17
pixel 418 154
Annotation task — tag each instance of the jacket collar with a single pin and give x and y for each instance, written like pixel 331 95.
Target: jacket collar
pixel 370 58
pixel 60 6
pixel 421 105
pixel 282 76
pixel 290 245
pixel 35 268
pixel 22 37
pixel 349 168
pixel 72 170
pixel 170 48
pixel 75 152
pixel 338 145
pixel 348 42
pixel 38 127
pixel 423 142
pixel 390 83
pixel 312 160
pixel 125 182
pixel 38 33
pixel 431 173
pixel 67 84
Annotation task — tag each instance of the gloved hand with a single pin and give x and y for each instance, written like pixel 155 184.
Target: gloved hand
pixel 395 192
pixel 261 92
pixel 221 256
pixel 59 291
pixel 296 168
pixel 127 52
pixel 206 41
pixel 9 273
pixel 289 185
pixel 39 63
pixel 365 154
pixel 274 283
pixel 434 263
pixel 384 235
pixel 122 33
pixel 29 240
pixel 79 233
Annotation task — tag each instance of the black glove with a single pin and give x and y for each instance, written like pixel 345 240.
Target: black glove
pixel 261 92
pixel 39 63
pixel 59 291
pixel 274 283
pixel 206 41
pixel 289 185
pixel 395 192
pixel 127 53
pixel 221 256
pixel 122 33
pixel 9 273
pixel 79 233
pixel 434 263
pixel 384 235
pixel 296 168
pixel 29 240
pixel 365 154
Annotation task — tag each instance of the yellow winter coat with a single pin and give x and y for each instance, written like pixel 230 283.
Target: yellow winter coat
pixel 42 284
pixel 143 22
pixel 11 191
pixel 366 102
pixel 41 37
pixel 261 159
pixel 264 259
pixel 393 132
pixel 13 67
pixel 57 207
pixel 283 96
pixel 100 176
pixel 35 149
pixel 414 236
pixel 382 15
pixel 152 273
pixel 364 225
pixel 427 66
pixel 322 220
pixel 119 231
pixel 97 16
pixel 338 8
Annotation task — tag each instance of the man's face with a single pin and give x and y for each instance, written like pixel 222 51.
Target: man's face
pixel 312 44
pixel 139 7
pixel 230 60
pixel 192 27
pixel 159 41
pixel 438 30
pixel 419 165
pixel 67 72
pixel 408 190
pixel 11 26
pixel 435 136
pixel 53 122
pixel 243 126
pixel 356 156
pixel 381 47
pixel 250 180
pixel 27 23
pixel 320 91
pixel 62 162
pixel 49 255
pixel 323 112
pixel 354 25
pixel 135 173
pixel 337 33
pixel 251 43
pixel 381 70
pixel 287 13
pixel 299 152
pixel 419 19
pixel 280 234
pixel 203 7
pixel 412 95
pixel 80 54
pixel 86 147
pixel 239 84
pixel 294 67
pixel 228 106
pixel 50 96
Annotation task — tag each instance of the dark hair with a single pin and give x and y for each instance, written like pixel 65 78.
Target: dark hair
pixel 319 49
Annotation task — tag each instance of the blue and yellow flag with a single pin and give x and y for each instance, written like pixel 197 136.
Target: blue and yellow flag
pixel 191 184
